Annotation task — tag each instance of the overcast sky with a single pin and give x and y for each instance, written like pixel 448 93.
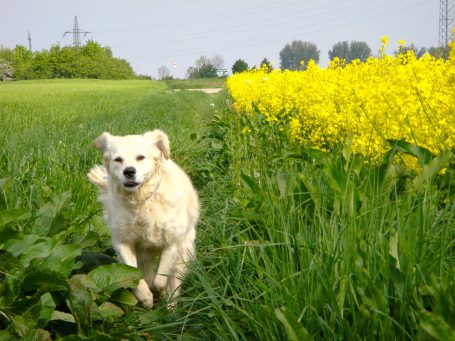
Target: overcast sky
pixel 175 33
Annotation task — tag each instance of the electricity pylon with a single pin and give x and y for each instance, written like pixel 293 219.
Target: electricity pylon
pixel 446 22
pixel 77 33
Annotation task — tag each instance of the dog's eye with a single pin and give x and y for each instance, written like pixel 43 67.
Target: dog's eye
pixel 140 157
pixel 118 159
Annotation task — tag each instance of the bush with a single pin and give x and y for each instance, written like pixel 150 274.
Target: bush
pixel 6 70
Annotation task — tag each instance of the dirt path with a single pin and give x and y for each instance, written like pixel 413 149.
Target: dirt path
pixel 206 90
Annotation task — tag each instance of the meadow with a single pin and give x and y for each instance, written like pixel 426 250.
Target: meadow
pixel 293 243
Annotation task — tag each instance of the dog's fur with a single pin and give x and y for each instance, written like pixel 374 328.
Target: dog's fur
pixel 150 207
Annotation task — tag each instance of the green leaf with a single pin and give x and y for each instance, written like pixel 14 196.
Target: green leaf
pixel 109 310
pixel 80 299
pixel 109 278
pixel 251 183
pixel 294 330
pixel 60 315
pixel 44 280
pixel 19 246
pixel 13 215
pixel 40 249
pixel 62 259
pixel 281 180
pixel 8 233
pixel 401 146
pixel 124 296
pixel 431 169
pixel 37 335
pixel 436 327
pixel 47 309
pixel 50 221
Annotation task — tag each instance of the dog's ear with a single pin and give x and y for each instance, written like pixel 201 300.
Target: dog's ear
pixel 160 139
pixel 102 142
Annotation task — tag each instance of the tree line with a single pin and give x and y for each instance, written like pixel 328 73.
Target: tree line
pixel 296 55
pixel 88 61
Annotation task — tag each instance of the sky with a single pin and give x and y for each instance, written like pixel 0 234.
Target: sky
pixel 175 33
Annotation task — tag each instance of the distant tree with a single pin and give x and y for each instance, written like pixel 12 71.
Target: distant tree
pixel 292 55
pixel 340 50
pixel 207 71
pixel 350 51
pixel 265 62
pixel 89 61
pixel 359 50
pixel 439 52
pixel 203 68
pixel 417 52
pixel 202 61
pixel 239 66
pixel 192 72
pixel 22 62
pixel 163 72
pixel 217 61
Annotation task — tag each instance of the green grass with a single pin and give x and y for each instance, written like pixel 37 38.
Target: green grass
pixel 200 83
pixel 291 244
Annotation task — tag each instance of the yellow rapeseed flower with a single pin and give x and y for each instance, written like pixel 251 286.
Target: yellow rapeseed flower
pixel 361 104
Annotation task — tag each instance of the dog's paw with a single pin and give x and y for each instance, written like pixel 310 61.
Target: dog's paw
pixel 160 286
pixel 147 302
pixel 144 295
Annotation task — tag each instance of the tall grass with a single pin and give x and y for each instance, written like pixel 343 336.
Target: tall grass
pixel 316 246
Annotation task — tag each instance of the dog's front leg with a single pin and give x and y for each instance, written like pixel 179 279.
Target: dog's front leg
pixel 127 256
pixel 166 269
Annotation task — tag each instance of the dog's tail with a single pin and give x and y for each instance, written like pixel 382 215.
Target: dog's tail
pixel 98 176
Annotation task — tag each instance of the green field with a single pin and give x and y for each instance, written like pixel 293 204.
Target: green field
pixel 292 243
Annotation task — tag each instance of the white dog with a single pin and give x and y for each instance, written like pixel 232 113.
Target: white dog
pixel 150 207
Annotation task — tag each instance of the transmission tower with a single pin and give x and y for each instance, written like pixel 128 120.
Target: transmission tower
pixel 77 33
pixel 446 22
pixel 29 38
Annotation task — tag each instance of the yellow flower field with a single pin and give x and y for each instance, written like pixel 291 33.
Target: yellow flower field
pixel 361 104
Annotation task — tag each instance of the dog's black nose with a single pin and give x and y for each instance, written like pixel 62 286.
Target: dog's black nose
pixel 129 172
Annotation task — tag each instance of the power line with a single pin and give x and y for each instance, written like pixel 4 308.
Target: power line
pixel 77 33
pixel 269 37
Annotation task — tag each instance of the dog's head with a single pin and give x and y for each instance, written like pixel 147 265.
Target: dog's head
pixel 131 160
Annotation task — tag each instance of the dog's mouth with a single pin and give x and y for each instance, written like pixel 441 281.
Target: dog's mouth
pixel 131 184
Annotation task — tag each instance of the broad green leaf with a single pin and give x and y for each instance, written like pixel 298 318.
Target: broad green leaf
pixel 62 259
pixel 40 249
pixel 80 300
pixel 109 278
pixel 8 263
pixel 47 308
pixel 8 233
pixel 37 335
pixel 294 330
pixel 109 310
pixel 422 154
pixel 49 221
pixel 60 315
pixel 19 246
pixel 13 215
pixel 124 296
pixel 44 280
